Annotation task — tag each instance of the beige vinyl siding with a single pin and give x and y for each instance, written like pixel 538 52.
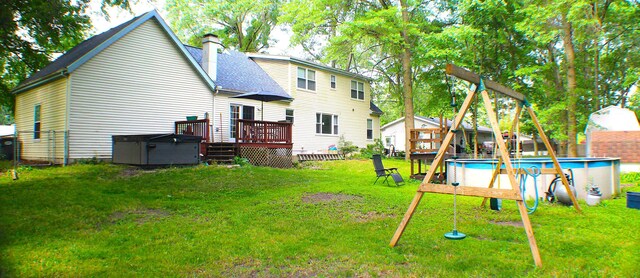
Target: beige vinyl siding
pixel 52 100
pixel 141 84
pixel 278 70
pixel 352 113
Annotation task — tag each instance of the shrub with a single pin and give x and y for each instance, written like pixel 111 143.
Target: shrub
pixel 88 161
pixel 633 178
pixel 376 148
pixel 241 161
pixel 346 147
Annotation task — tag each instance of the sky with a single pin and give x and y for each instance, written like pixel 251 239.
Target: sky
pixel 118 16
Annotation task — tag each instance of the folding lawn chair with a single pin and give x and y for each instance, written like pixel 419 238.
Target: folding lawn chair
pixel 386 172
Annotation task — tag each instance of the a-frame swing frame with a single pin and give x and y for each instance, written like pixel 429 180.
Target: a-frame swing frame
pixel 504 159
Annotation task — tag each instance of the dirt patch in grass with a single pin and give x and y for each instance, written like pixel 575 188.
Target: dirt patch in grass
pixel 370 216
pixel 329 197
pixel 312 165
pixel 140 216
pixel 508 223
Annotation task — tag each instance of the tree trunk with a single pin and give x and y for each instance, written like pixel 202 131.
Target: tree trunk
pixel 535 144
pixel 475 130
pixel 407 78
pixel 572 98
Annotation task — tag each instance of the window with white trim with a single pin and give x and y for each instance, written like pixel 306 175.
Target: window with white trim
pixel 36 121
pixel 333 82
pixel 289 115
pixel 357 90
pixel 306 79
pixel 369 129
pixel 326 123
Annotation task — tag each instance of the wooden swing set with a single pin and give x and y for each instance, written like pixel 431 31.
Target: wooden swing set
pixel 512 173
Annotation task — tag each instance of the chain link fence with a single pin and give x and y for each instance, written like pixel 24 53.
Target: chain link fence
pixel 41 147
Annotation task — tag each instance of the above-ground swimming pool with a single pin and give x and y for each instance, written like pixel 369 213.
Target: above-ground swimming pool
pixel 603 172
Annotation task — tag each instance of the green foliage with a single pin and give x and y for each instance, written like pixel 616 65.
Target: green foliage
pixel 89 161
pixel 346 147
pixel 376 148
pixel 32 33
pixel 634 104
pixel 244 25
pixel 241 161
pixel 632 178
pixel 108 220
pixel 519 45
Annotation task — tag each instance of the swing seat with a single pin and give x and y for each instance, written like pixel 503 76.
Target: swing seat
pixel 455 235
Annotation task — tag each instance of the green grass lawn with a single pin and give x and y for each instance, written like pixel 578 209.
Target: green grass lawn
pixel 327 219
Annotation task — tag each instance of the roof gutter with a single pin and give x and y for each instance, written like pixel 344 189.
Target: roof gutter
pixel 310 64
pixel 330 69
pixel 51 77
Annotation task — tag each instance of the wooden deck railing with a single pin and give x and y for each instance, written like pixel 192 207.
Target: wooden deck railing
pixel 263 134
pixel 195 127
pixel 426 140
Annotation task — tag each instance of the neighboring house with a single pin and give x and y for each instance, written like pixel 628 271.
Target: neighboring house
pixel 138 78
pixel 612 118
pixel 6 130
pixel 393 133
pixel 615 132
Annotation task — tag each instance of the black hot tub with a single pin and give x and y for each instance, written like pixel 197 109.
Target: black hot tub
pixel 156 149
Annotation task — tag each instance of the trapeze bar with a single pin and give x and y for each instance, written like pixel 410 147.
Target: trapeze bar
pixel 475 79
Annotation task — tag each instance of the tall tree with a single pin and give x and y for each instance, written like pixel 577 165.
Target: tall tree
pixel 241 24
pixel 32 32
pixel 589 44
pixel 407 77
pixel 315 22
pixel 378 35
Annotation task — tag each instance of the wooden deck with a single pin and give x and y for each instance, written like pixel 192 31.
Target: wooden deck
pixel 262 142
pixel 425 143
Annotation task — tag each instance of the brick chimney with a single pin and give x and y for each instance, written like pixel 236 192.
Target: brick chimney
pixel 210 45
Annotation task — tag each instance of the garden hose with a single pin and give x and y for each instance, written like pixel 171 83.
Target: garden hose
pixel 535 173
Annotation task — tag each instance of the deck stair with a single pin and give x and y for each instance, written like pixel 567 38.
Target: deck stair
pixel 221 152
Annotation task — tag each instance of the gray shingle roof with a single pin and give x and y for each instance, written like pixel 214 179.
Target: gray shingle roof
pixel 238 73
pixel 375 109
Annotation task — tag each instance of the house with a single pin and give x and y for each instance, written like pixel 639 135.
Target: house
pixel 138 78
pixel 615 132
pixel 6 130
pixel 394 137
pixel 328 103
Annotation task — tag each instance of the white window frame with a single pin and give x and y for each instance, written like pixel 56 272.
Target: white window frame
pixel 370 128
pixel 334 123
pixel 333 82
pixel 37 121
pixel 357 87
pixel 287 117
pixel 308 78
pixel 232 124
